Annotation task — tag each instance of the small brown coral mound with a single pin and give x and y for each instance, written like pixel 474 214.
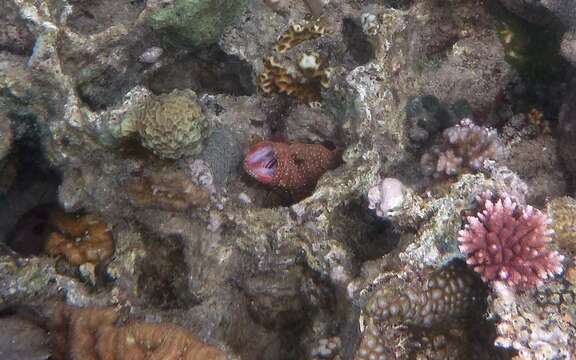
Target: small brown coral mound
pixel 80 239
pixel 506 241
pixel 93 334
pixel 172 192
pixel 562 212
pixel 170 125
pixel 466 148
pixel 442 295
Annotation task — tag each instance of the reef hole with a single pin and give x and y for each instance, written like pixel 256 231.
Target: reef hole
pixel 357 43
pixel 369 236
pixel 208 70
pixel 164 273
pixel 28 189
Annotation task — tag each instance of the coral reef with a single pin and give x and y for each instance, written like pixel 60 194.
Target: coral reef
pixel 529 329
pixel 170 125
pixel 466 148
pixel 289 166
pixel 445 294
pixel 190 23
pixel 198 244
pixel 506 241
pixel 171 191
pixel 80 239
pixel 92 333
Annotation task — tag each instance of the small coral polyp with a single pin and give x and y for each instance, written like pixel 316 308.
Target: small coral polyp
pixel 507 242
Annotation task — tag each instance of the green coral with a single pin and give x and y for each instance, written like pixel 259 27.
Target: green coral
pixel 190 23
pixel 170 125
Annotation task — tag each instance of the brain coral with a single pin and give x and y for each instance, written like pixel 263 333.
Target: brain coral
pixel 506 241
pixel 170 125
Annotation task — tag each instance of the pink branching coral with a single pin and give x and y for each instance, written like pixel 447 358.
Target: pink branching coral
pixel 506 241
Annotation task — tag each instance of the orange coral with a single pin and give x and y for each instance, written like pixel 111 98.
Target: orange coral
pixel 93 334
pixel 173 192
pixel 80 239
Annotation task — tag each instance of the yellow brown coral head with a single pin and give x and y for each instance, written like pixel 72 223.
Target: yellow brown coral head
pixel 79 239
pixel 170 125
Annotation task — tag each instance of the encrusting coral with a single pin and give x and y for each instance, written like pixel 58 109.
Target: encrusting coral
pixel 172 191
pixel 506 241
pixel 297 34
pixel 288 166
pixel 562 212
pixel 466 148
pixel 442 295
pixel 170 125
pixel 80 239
pixel 310 74
pixel 94 334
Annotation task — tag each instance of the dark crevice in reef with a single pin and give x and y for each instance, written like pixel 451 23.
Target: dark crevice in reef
pixel 164 275
pixel 375 236
pixel 208 70
pixel 357 43
pixel 32 189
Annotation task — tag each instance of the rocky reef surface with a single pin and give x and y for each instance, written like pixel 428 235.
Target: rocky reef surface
pixel 287 179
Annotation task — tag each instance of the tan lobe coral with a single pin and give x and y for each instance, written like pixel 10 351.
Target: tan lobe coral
pixel 94 334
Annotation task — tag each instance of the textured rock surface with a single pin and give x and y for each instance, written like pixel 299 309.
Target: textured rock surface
pixel 195 22
pixel 200 244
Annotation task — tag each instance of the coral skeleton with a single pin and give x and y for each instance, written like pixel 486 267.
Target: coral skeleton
pixel 386 197
pixel 506 241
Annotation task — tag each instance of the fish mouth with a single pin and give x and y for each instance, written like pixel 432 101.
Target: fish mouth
pixel 261 162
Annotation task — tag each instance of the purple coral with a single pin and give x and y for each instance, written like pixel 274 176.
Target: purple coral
pixel 466 146
pixel 506 241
